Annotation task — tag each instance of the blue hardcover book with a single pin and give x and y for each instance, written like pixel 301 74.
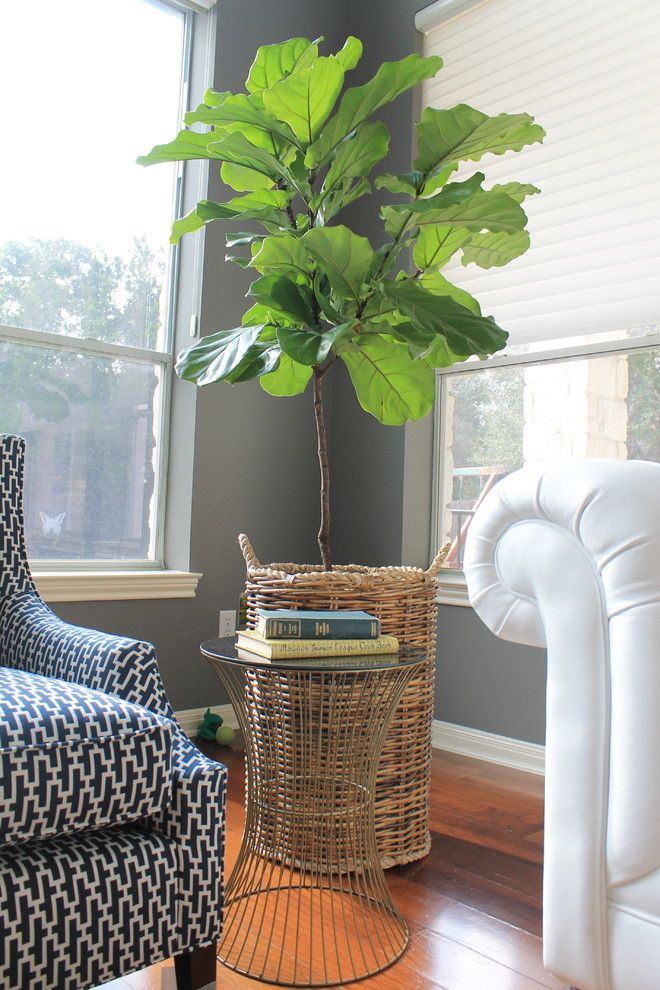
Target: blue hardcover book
pixel 288 623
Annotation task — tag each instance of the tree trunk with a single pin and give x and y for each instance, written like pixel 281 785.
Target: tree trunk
pixel 324 467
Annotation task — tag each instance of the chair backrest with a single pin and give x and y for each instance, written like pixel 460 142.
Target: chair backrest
pixel 14 568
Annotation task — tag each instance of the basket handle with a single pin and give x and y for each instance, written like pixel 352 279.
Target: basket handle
pixel 251 559
pixel 438 560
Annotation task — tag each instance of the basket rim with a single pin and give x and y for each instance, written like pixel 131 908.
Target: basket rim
pixel 362 574
pixel 349 576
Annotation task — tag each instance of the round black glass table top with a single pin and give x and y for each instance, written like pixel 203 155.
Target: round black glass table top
pixel 226 649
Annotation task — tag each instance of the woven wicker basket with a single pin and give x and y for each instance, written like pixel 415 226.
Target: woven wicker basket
pixel 403 598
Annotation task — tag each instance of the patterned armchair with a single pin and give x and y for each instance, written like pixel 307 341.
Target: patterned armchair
pixel 111 821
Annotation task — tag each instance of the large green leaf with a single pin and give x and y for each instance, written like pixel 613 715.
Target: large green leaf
pixel 274 62
pixel 359 102
pixel 417 340
pixel 492 250
pixel 237 149
pixel 345 257
pixel 431 347
pixel 265 205
pixel 464 134
pixel 214 357
pixel 243 110
pixel 345 194
pixel 436 244
pixel 305 98
pixel 204 212
pixel 186 146
pixel 260 314
pixel 322 291
pixel 388 383
pixel 436 283
pixel 241 238
pixel 356 156
pixel 518 191
pixel 466 332
pixel 485 210
pixel 261 359
pixel 286 301
pixel 396 217
pixel 277 199
pixel 288 378
pixel 309 347
pixel 282 254
pixel 214 97
pixel 244 179
pixel 408 182
pixel 440 354
pixel 436 179
pixel 350 54
pixel 454 192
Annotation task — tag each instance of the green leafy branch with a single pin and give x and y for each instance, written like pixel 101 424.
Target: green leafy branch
pixel 298 148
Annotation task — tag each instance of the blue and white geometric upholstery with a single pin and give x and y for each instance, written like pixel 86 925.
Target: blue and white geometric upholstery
pixel 79 910
pixel 88 906
pixel 72 759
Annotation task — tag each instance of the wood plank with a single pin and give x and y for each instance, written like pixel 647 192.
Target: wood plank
pixel 473 904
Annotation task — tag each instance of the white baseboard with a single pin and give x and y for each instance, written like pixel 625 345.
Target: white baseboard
pixel 190 718
pixel 488 746
pixel 476 743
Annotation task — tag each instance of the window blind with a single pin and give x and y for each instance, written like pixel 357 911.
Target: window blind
pixel 588 73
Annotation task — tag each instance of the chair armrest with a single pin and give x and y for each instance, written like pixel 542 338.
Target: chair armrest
pixel 32 638
pixel 567 556
pixel 196 821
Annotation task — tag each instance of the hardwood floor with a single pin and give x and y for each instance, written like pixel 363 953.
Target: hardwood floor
pixel 473 905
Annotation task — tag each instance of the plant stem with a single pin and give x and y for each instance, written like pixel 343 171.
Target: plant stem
pixel 324 467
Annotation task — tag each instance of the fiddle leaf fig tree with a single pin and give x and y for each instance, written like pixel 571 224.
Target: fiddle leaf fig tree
pixel 297 148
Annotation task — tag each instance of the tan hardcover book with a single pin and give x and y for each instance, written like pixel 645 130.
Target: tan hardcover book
pixel 277 649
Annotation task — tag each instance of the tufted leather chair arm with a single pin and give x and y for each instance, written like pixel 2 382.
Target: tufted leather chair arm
pixel 568 557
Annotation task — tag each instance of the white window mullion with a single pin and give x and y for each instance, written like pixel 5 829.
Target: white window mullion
pixel 84 345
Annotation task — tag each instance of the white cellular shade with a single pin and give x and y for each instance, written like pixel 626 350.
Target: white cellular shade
pixel 588 72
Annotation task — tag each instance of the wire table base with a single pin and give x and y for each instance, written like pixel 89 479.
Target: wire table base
pixel 307 903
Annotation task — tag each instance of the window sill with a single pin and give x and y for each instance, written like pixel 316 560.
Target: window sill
pixel 114 586
pixel 452 589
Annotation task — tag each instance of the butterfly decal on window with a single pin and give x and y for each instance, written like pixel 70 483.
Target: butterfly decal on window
pixel 51 525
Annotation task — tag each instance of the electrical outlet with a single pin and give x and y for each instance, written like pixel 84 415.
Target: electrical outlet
pixel 227 626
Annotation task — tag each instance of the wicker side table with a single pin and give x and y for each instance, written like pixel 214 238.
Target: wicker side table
pixel 307 903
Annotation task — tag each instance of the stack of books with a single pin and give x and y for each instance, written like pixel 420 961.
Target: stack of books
pixel 283 633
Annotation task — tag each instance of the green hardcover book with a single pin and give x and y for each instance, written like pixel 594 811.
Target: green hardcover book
pixel 287 623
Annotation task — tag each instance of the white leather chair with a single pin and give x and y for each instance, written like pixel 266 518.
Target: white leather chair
pixel 568 557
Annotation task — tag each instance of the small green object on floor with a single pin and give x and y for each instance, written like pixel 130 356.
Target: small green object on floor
pixel 210 724
pixel 224 735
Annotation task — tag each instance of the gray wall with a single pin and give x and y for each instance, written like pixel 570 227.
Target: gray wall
pixel 255 468
pixel 482 681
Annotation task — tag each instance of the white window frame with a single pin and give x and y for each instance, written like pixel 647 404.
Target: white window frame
pixel 452 587
pixel 121 580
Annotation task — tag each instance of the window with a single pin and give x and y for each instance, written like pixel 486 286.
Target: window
pixel 580 377
pixel 532 409
pixel 86 272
